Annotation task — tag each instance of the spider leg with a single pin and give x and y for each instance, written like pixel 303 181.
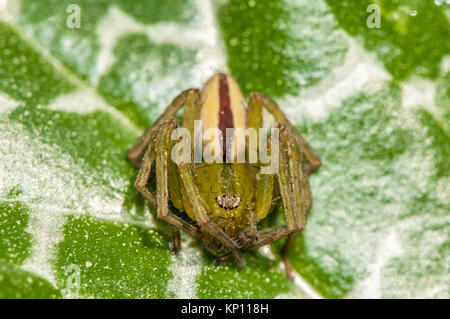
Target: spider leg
pixel 264 190
pixel 135 153
pixel 176 240
pixel 253 221
pixel 159 152
pixel 284 253
pixel 257 101
pixel 264 182
pixel 222 259
pixel 280 117
pixel 201 216
pixel 144 175
pixel 291 179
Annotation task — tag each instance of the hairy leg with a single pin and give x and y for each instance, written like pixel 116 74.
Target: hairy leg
pixel 135 153
pixel 159 152
pixel 201 216
pixel 176 240
pixel 275 110
pixel 264 182
pixel 291 180
pixel 257 100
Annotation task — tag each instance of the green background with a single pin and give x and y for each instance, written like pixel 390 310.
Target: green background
pixel 373 102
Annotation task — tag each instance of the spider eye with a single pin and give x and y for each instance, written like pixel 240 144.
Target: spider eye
pixel 228 201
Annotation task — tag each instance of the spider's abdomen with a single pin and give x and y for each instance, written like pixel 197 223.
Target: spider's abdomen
pixel 223 107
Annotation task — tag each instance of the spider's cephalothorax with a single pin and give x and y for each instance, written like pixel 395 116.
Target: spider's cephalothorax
pixel 225 198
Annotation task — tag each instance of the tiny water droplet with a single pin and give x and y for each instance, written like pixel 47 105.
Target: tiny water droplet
pixel 413 13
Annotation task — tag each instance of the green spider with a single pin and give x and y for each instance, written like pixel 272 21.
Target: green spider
pixel 225 201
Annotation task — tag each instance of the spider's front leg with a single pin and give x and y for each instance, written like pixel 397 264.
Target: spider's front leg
pixel 201 215
pixel 274 109
pixel 186 97
pixel 257 102
pixel 159 151
pixel 295 196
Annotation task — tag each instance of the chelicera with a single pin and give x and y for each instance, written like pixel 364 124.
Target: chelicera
pixel 225 201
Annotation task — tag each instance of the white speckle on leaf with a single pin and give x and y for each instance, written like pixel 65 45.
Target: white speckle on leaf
pixel 211 57
pixel 46 228
pixel 445 64
pixel 81 101
pixel 112 26
pixel 185 267
pixel 7 103
pixel 443 189
pixel 48 177
pixel 417 93
pixel 371 286
pixel 86 100
pixel 9 9
pixel 202 36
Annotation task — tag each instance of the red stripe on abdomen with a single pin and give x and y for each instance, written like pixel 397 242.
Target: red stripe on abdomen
pixel 225 112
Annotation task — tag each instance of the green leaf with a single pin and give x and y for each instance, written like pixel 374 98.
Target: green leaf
pixel 374 103
pixel 415 32
pixel 15 241
pixel 140 62
pixel 260 279
pixel 378 209
pixel 116 260
pixel 16 283
pixel 272 46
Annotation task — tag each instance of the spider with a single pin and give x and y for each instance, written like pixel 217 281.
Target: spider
pixel 225 200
